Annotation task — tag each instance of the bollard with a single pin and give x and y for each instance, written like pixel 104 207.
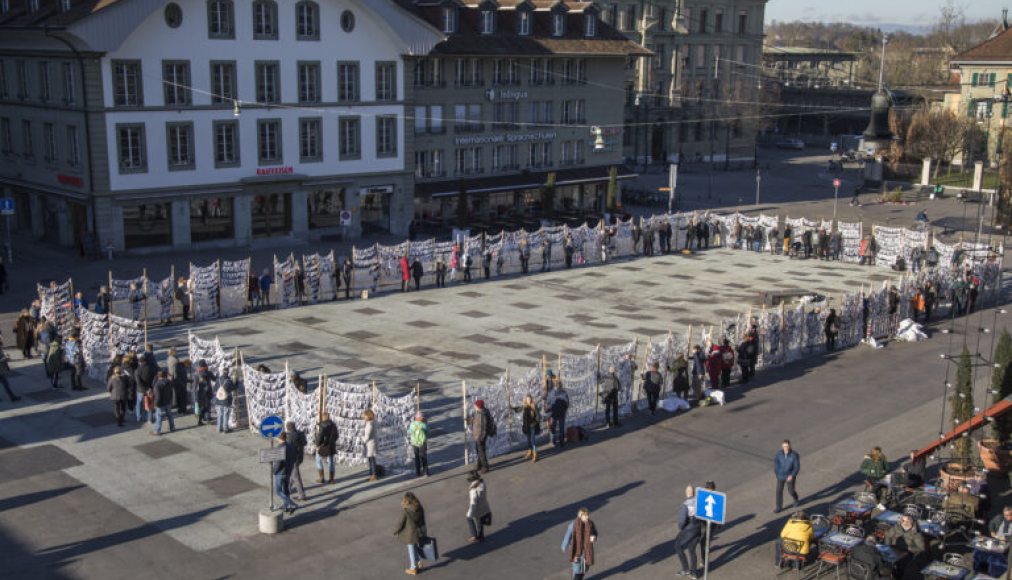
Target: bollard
pixel 271 521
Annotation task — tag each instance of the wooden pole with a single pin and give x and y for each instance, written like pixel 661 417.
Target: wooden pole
pixel 145 294
pixel 145 332
pixel 374 395
pixel 688 340
pixel 288 385
pixel 597 399
pixel 73 311
pixel 110 294
pixel 463 398
pixel 509 400
pixel 418 397
pixel 351 282
pixel 639 385
pixel 172 290
pixel 242 367
pixel 322 387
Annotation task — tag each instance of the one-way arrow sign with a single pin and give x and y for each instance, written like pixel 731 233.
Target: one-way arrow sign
pixel 711 506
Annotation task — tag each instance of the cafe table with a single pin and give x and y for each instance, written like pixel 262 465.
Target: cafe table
pixel 942 571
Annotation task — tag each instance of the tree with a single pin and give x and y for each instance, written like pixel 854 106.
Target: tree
pixel 899 124
pixel 548 197
pixel 938 134
pixel 462 212
pixel 611 197
pixel 1001 383
pixel 1005 177
pixel 961 402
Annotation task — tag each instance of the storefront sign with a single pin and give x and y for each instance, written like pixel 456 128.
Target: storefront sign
pixel 376 189
pixel 69 180
pixel 507 138
pixel 505 94
pixel 283 170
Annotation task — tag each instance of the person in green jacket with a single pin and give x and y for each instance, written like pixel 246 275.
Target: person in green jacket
pixel 874 467
pixel 418 435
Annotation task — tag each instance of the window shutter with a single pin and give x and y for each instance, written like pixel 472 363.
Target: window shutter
pixel 991 80
pixel 975 77
pixel 970 109
pixel 1004 109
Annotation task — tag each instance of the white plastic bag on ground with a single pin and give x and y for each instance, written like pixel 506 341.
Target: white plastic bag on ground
pixel 673 404
pixel 716 394
pixel 910 331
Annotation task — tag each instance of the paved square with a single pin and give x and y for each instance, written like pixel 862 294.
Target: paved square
pixel 160 448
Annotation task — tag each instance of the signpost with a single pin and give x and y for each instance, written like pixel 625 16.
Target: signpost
pixel 836 194
pixel 711 507
pixel 271 427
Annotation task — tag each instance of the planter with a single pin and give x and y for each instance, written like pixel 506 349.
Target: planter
pixel 994 455
pixel 955 474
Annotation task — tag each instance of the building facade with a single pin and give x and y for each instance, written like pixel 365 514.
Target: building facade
pixel 150 125
pixel 689 99
pixel 985 81
pixel 517 94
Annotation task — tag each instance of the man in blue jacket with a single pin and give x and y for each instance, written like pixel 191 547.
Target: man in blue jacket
pixel 786 466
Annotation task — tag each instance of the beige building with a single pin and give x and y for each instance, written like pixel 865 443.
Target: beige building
pixel 985 73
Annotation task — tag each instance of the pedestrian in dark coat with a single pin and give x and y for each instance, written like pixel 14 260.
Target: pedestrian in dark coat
pixel 411 530
pixel 486 263
pixel 832 329
pixel 326 446
pixel 117 394
pixel 203 386
pixel 417 272
pixel 680 376
pixel 786 466
pixel 24 331
pixel 347 270
pixel 481 427
pixel 162 389
pixel 610 387
pixel 178 377
pixel 652 380
pixel 298 440
pixel 54 361
pixel 727 363
pixel 748 354
pixel 530 426
pixel 690 531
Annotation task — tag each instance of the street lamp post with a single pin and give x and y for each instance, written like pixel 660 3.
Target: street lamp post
pixel 758 180
pixel 836 195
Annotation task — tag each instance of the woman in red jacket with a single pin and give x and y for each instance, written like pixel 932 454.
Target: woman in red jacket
pixel 405 274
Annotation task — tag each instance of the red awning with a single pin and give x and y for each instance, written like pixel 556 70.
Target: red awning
pixel 978 421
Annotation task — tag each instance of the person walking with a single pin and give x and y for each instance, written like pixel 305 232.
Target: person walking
pixel 203 383
pixel 748 354
pixel 486 263
pixel 832 329
pixel 610 387
pixel 558 405
pixel 786 466
pixel 578 543
pixel 530 426
pixel 298 440
pixel 223 398
pixel 370 443
pixel 24 333
pixel 652 381
pixel 117 388
pixel 347 270
pixel 283 472
pixel 178 377
pixel 418 435
pixel 54 361
pixel 44 334
pixel 144 377
pixel 417 272
pixel 482 427
pixel 690 532
pixel 5 371
pixel 326 447
pixel 411 530
pixel 162 391
pixel 478 512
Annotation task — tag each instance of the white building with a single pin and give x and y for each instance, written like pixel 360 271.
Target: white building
pixel 204 122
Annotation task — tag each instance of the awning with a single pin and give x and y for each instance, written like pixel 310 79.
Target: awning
pixel 525 180
pixel 979 420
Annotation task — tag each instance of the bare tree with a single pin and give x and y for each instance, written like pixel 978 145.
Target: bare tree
pixel 951 16
pixel 940 135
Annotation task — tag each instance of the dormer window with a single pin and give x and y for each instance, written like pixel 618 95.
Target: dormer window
pixel 33 5
pixel 524 22
pixel 487 21
pixel 449 19
pixel 64 5
pixel 590 25
pixel 558 24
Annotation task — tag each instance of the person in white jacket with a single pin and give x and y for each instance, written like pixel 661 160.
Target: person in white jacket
pixel 478 513
pixel 370 442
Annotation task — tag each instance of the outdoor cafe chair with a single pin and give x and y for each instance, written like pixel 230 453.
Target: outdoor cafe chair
pixel 790 555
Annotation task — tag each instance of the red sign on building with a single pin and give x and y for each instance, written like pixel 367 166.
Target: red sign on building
pixel 284 170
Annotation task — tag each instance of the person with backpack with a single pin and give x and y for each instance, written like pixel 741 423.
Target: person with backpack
pixel 326 446
pixel 558 406
pixel 370 443
pixel 203 383
pixel 298 440
pixel 482 427
pixel 418 435
pixel 652 380
pixel 265 288
pixel 136 298
pixel 479 514
pixel 610 387
pixel 162 390
pixel 223 396
pixel 103 302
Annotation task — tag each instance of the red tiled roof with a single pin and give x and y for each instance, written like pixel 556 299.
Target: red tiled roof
pixel 997 48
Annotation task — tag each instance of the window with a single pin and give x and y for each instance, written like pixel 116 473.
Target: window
pixel 325 207
pixel 265 20
pixel 386 81
pixel 222 81
pixel 469 161
pixel 69 84
pixel 126 87
pixel 22 71
pixel 33 6
pixel 539 112
pixel 6 141
pixel 524 22
pixel 307 19
pixel 45 89
pixel 347 21
pixel 449 19
pixel 429 164
pixel 271 215
pixel 27 147
pixel 558 24
pixel 309 82
pixel 176 80
pixel 718 20
pixel 742 21
pixel 630 18
pixel 539 154
pixel 704 15
pixel 147 224
pixel 534 72
pixel 467 118
pixel 73 147
pixel 347 82
pixel 701 56
pixel 386 136
pixel 268 83
pixel 506 115
pixel 226 143
pixel 3 80
pixel 131 148
pixel 310 140
pixel 269 141
pixel 220 19
pixel 487 21
pixel 64 5
pixel 48 142
pixel 429 119
pixel 573 111
pixel 211 218
pixel 548 71
pixel 581 71
pixel 662 19
pixel 590 25
pixel 5 7
pixel 429 72
pixel 658 58
pixel 179 145
pixel 505 157
pixel 469 72
pixel 349 131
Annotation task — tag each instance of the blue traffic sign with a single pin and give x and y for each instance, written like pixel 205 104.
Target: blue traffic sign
pixel 711 506
pixel 6 206
pixel 271 426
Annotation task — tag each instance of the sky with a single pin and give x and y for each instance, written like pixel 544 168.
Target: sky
pixel 872 12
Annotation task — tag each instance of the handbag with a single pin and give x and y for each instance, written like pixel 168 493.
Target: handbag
pixel 580 566
pixel 486 520
pixel 429 549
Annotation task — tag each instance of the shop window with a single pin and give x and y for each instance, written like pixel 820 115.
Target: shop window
pixel 271 215
pixel 325 207
pixel 211 218
pixel 146 225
